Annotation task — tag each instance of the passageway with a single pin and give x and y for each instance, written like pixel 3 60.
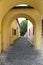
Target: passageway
pixel 22 53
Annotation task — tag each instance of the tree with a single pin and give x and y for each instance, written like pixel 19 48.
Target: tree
pixel 23 27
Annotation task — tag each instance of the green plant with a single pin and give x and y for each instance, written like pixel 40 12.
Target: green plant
pixel 23 27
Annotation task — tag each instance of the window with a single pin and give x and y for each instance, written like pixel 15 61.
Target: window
pixel 14 31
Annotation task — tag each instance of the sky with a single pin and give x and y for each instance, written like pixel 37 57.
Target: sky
pixel 21 19
pixel 29 22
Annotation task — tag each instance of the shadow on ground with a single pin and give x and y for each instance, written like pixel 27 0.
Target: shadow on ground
pixel 21 53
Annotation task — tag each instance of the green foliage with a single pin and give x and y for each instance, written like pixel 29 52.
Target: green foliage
pixel 23 27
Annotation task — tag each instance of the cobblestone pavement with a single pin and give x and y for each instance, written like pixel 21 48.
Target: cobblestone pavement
pixel 21 53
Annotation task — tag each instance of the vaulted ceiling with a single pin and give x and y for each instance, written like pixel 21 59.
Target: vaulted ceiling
pixel 5 5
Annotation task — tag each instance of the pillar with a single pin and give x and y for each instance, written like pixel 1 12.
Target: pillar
pixel 0 38
pixel 38 35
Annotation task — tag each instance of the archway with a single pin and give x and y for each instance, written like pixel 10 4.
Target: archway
pixel 26 29
pixel 27 13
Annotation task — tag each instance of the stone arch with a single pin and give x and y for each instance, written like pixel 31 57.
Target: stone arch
pixel 30 14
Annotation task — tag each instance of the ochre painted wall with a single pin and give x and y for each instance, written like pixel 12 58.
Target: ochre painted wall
pixel 7 37
pixel 31 14
pixel 6 5
pixel 12 37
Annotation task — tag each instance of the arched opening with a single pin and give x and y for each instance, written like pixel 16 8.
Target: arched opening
pixel 6 36
pixel 14 14
pixel 22 6
pixel 23 28
pixel 28 32
pixel 7 17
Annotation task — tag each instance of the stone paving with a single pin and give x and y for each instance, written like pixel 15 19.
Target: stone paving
pixel 22 53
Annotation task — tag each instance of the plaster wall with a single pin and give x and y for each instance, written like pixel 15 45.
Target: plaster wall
pixel 31 14
pixel 13 26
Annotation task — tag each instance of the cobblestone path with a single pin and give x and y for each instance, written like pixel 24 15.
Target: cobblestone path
pixel 21 53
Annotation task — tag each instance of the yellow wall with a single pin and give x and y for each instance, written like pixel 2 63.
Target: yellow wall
pixel 7 37
pixel 31 14
pixel 38 5
pixel 35 15
pixel 14 25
